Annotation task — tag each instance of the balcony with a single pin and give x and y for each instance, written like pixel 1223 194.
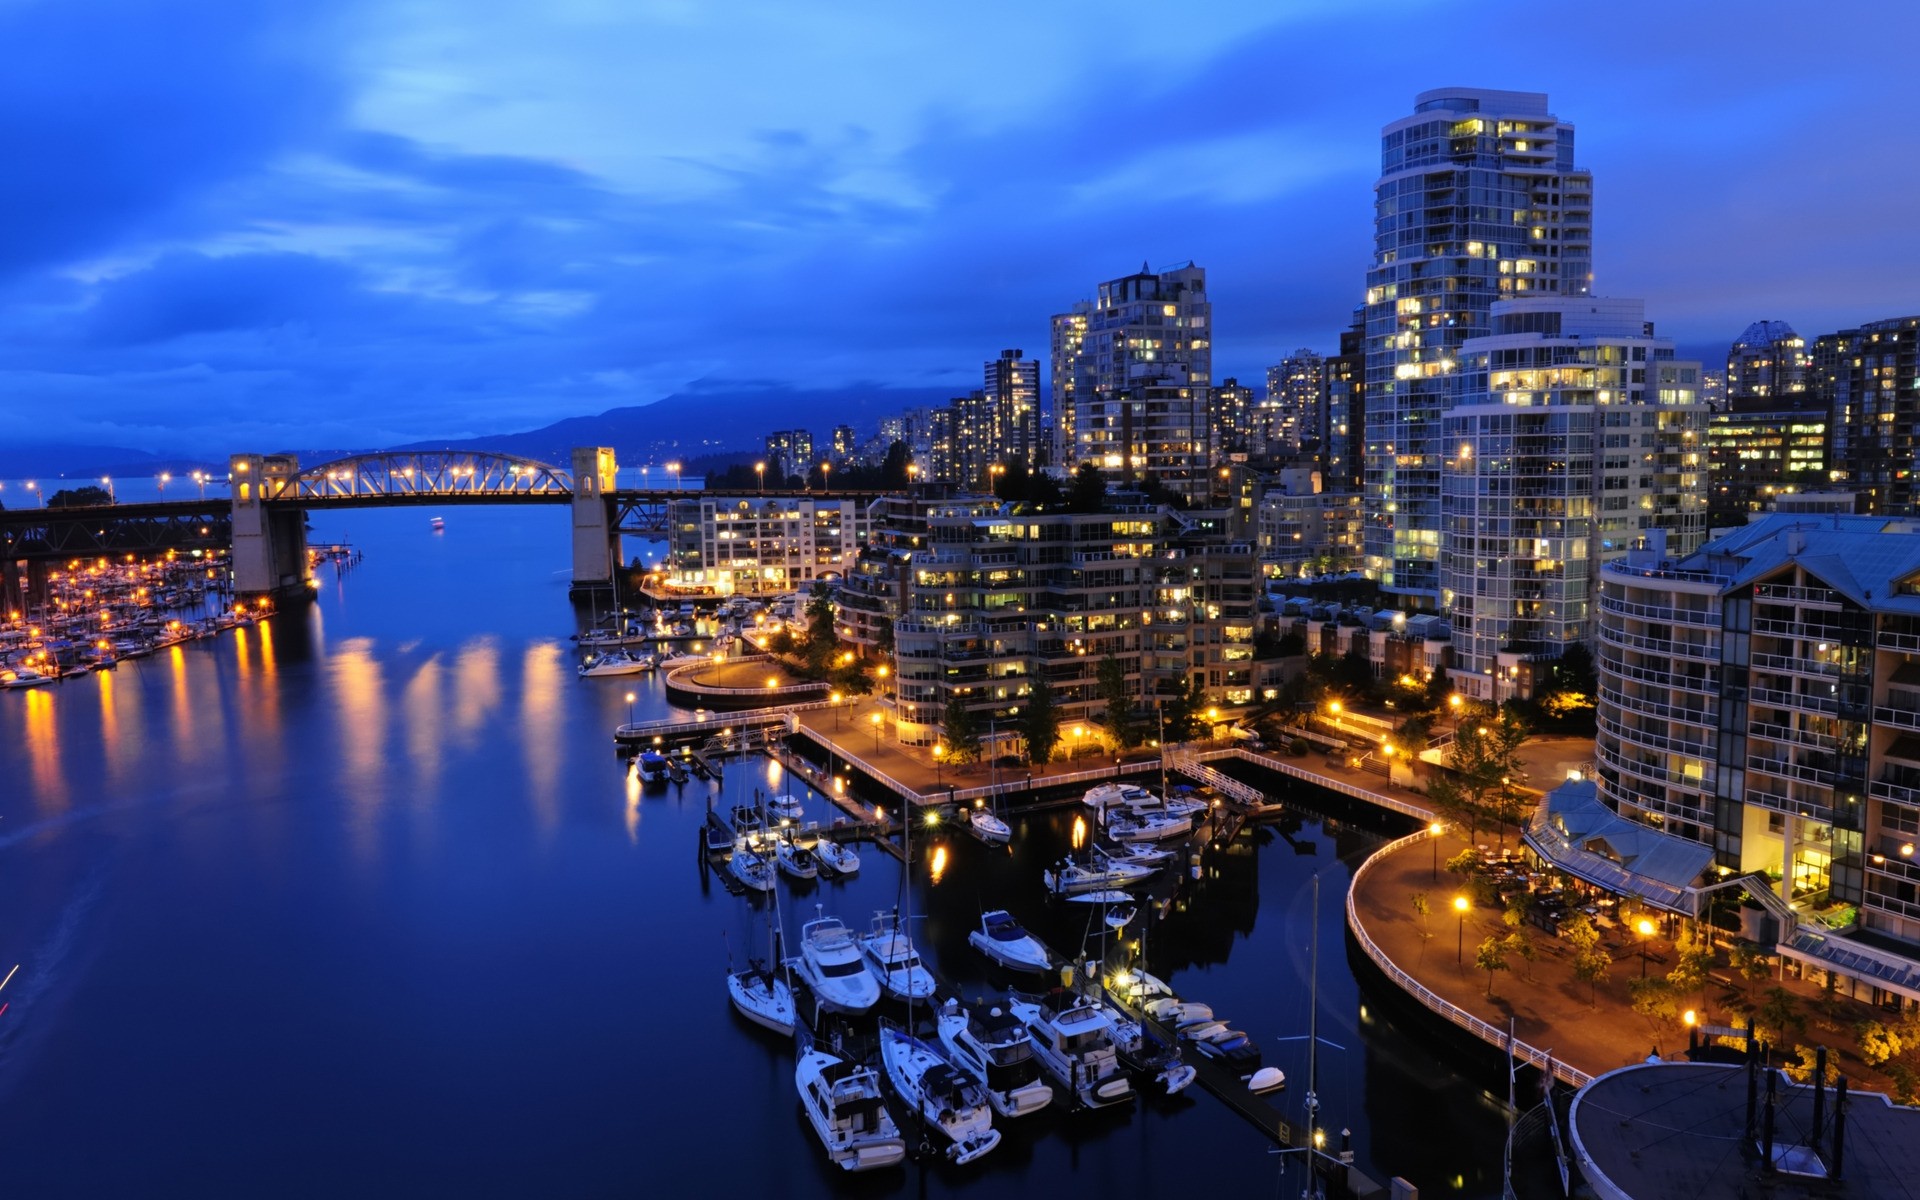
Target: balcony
pixel 1902 718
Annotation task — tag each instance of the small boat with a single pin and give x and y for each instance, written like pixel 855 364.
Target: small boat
pixel 1137 987
pixel 948 1100
pixel 1178 1013
pixel 1073 1040
pixel 1066 877
pixel 1109 861
pixel 894 962
pixel 831 965
pixel 1145 1052
pixel 653 767
pixel 1002 939
pixel 993 1047
pixel 719 836
pixel 23 677
pixel 795 860
pixel 1230 1046
pixel 1127 826
pixel 988 827
pixel 1102 897
pixel 1138 854
pixel 751 868
pixel 841 860
pixel 614 662
pixel 843 1102
pixel 1134 800
pixel 1266 1079
pixel 762 997
pixel 1119 916
pixel 786 806
pixel 439 524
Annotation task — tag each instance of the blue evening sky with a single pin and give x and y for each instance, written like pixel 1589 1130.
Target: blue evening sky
pixel 241 223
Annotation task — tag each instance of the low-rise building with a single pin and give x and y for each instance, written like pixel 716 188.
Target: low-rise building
pixel 760 545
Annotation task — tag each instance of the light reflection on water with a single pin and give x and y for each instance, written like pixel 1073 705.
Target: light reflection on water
pixel 360 700
pixel 540 720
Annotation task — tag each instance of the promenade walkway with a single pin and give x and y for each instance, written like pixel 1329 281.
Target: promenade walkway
pixel 1552 1010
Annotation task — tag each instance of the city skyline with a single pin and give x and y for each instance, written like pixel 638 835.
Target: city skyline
pixel 360 227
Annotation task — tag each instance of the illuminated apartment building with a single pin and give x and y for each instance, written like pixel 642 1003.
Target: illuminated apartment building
pixel 1768 359
pixel 789 453
pixel 1294 412
pixel 1868 379
pixel 754 545
pixel 1231 414
pixel 1012 393
pixel 1478 200
pixel 1762 448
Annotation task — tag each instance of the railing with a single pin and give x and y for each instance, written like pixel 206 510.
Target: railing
pixel 1352 790
pixel 1454 1014
pixel 1905 718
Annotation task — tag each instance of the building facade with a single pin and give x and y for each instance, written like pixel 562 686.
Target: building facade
pixel 1576 433
pixel 1761 448
pixel 1768 361
pixel 1144 339
pixel 1478 200
pixel 1231 415
pixel 1013 391
pixel 789 453
pixel 1868 379
pixel 1302 530
pixel 1294 412
pixel 759 545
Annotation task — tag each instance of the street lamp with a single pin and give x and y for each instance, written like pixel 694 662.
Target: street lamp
pixel 1433 835
pixel 108 480
pixel 1645 928
pixel 165 479
pixel 673 470
pixel 629 709
pixel 878 723
pixel 826 468
pixel 833 698
pixel 939 758
pixel 35 488
pixel 760 469
pixel 1460 931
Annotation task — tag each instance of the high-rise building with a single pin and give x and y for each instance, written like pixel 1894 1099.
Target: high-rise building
pixel 1758 696
pixel 1344 452
pixel 1478 200
pixel 1295 408
pixel 846 445
pixel 1013 391
pixel 1761 448
pixel 1231 413
pixel 1575 433
pixel 1068 339
pixel 1868 379
pixel 789 453
pixel 1144 357
pixel 1768 359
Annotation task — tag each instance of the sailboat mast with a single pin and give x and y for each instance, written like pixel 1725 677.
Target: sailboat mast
pixel 1313 1032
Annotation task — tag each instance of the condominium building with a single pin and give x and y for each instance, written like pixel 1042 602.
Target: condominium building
pixel 846 445
pixel 1294 412
pixel 1301 529
pixel 789 453
pixel 1343 449
pixel 1762 696
pixel 1231 416
pixel 1478 200
pixel 1067 340
pixel 999 597
pixel 1768 360
pixel 1761 448
pixel 873 593
pixel 1576 434
pixel 760 545
pixel 1013 393
pixel 1868 379
pixel 1144 331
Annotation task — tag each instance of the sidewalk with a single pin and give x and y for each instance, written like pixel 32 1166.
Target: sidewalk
pixel 1552 1011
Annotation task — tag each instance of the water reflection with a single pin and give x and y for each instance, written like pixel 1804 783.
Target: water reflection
pixel 360 699
pixel 476 688
pixel 634 789
pixel 43 753
pixel 541 676
pixel 421 702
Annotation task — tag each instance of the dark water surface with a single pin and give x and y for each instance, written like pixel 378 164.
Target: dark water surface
pixel 361 902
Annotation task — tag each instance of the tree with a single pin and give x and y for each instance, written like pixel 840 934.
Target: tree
pixel 1578 932
pixel 1011 483
pixel 1178 709
pixel 782 641
pixel 883 636
pixel 1453 805
pixel 85 494
pixel 1692 959
pixel 823 636
pixel 893 470
pixel 1590 966
pixel 1779 1015
pixel 1520 945
pixel 1491 957
pixel 1040 722
pixel 1654 999
pixel 1751 964
pixel 1123 719
pixel 1878 1043
pixel 1438 688
pixel 963 732
pixel 1088 492
pixel 851 680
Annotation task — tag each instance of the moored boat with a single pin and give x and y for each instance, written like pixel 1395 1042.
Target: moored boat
pixel 795 860
pixel 992 1046
pixel 949 1100
pixel 1073 1041
pixel 762 997
pixel 843 1103
pixel 891 957
pixel 833 856
pixel 1002 939
pixel 786 807
pixel 831 965
pixel 751 868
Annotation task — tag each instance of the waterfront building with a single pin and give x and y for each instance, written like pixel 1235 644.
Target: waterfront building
pixel 873 593
pixel 1231 415
pixel 1143 331
pixel 1478 200
pixel 1761 448
pixel 1343 438
pixel 1303 529
pixel 1575 433
pixel 760 545
pixel 1013 395
pixel 1768 361
pixel 999 597
pixel 1868 380
pixel 789 453
pixel 1759 696
pixel 1294 413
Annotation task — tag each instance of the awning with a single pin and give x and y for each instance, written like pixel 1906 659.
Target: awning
pixel 1578 834
pixel 1855 960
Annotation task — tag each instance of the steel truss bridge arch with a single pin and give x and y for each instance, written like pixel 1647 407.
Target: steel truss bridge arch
pixel 427 476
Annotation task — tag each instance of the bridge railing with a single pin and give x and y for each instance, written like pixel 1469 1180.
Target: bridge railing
pixel 431 473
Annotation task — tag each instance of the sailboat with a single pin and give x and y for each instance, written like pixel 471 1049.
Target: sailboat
pixel 760 992
pixel 988 826
pixel 843 1102
pixel 949 1100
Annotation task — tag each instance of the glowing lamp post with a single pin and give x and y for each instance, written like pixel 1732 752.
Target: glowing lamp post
pixel 1433 835
pixel 1460 907
pixel 760 469
pixel 939 759
pixel 833 698
pixel 1645 929
pixel 878 722
pixel 629 709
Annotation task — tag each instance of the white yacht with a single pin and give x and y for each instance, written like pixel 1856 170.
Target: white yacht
pixel 993 1047
pixel 23 677
pixel 949 1100
pixel 1125 825
pixel 615 662
pixel 1136 986
pixel 762 997
pixel 1002 939
pixel 1139 854
pixel 1143 1051
pixel 1073 1040
pixel 786 807
pixel 988 827
pixel 751 868
pixel 895 964
pixel 1112 860
pixel 795 859
pixel 843 1102
pixel 1131 798
pixel 831 964
pixel 1067 878
pixel 841 860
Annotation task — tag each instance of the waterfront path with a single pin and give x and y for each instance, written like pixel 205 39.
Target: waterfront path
pixel 1552 1010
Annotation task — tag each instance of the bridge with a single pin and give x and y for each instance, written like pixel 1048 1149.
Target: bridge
pixel 265 519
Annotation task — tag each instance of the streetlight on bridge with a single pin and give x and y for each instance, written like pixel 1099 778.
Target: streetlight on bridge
pixel 760 469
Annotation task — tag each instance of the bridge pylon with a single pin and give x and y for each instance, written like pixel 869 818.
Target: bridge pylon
pixel 269 542
pixel 596 538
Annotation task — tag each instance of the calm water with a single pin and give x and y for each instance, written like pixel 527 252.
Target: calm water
pixel 362 902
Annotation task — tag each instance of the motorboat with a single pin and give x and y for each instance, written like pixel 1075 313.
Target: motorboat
pixel 1066 877
pixel 438 524
pixel 1105 896
pixel 988 827
pixel 795 860
pixel 831 964
pixel 23 677
pixel 1217 1040
pixel 1073 1041
pixel 1136 986
pixel 1120 916
pixel 993 1047
pixel 1135 800
pixel 1266 1079
pixel 717 835
pixel 834 857
pixel 653 767
pixel 1107 860
pixel 614 662
pixel 786 806
pixel 1139 854
pixel 948 1099
pixel 843 1102
pixel 1127 826
pixel 751 868
pixel 895 964
pixel 1002 939
pixel 1147 1053
pixel 762 997
pixel 1178 1013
